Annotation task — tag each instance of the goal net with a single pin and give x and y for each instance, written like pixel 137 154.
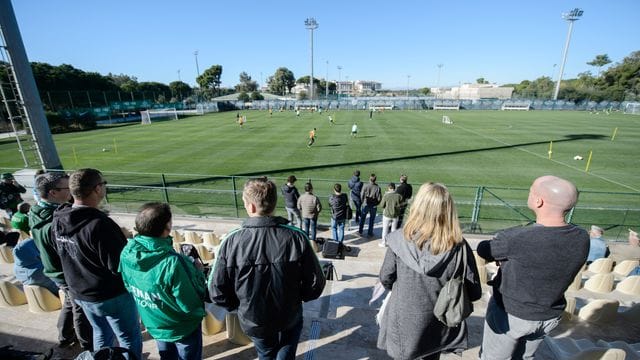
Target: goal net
pixel 632 108
pixel 158 114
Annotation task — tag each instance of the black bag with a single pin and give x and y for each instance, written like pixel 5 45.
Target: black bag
pixel 349 213
pixel 332 249
pixel 329 271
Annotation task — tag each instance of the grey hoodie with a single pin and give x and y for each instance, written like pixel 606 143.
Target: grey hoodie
pixel 415 277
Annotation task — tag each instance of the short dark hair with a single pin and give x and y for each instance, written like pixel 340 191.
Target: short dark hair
pixel 262 193
pixel 83 181
pixel 308 187
pixel 392 186
pixel 47 182
pixel 291 179
pixel 337 188
pixel 152 219
pixel 373 178
pixel 403 178
pixel 356 173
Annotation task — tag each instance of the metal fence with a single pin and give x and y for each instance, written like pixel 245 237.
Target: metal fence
pixel 481 209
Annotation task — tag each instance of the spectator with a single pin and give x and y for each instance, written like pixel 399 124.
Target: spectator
pixel 391 202
pixel 168 289
pixel 406 191
pixel 10 191
pixel 597 246
pixel 310 207
pixel 89 244
pixel 36 195
pixel 370 196
pixel 28 266
pixel 338 202
pixel 291 196
pixel 355 185
pixel 537 265
pixel 20 219
pixel 53 189
pixel 265 270
pixel 419 260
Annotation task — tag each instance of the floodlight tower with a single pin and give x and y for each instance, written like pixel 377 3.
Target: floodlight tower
pixel 439 71
pixel 571 17
pixel 195 53
pixel 339 79
pixel 408 77
pixel 326 83
pixel 311 25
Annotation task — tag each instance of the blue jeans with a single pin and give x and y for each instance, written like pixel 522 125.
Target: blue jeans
pixel 115 318
pixel 294 215
pixel 279 346
pixel 187 348
pixel 371 210
pixel 337 230
pixel 310 227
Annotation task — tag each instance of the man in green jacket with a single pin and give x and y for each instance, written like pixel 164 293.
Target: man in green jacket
pixel 53 189
pixel 168 288
pixel 391 203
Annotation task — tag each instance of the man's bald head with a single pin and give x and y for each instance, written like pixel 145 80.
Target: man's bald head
pixel 555 193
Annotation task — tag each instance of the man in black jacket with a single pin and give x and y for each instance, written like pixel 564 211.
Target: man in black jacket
pixel 89 244
pixel 291 196
pixel 265 270
pixel 355 185
pixel 537 265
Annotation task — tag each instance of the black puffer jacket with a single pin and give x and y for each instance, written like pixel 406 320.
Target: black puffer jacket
pixel 356 187
pixel 265 270
pixel 338 204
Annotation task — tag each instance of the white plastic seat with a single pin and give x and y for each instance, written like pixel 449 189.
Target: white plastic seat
pixel 192 237
pixel 581 349
pixel 624 267
pixel 210 238
pixel 600 283
pixel 204 252
pixel 235 335
pixel 6 254
pixel 211 325
pixel 11 294
pixel 177 236
pixel 599 311
pixel 601 266
pixel 40 299
pixel 630 285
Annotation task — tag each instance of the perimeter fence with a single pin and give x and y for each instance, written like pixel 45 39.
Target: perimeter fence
pixel 481 209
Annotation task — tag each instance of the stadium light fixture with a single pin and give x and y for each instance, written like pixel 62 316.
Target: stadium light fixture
pixel 326 83
pixel 311 25
pixel 571 17
pixel 408 77
pixel 439 71
pixel 195 53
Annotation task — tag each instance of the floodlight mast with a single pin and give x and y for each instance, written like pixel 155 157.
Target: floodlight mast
pixel 571 17
pixel 311 24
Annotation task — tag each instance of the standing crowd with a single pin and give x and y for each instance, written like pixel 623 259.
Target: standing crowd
pixel 266 269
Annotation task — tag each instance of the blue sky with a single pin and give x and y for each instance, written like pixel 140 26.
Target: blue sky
pixel 397 43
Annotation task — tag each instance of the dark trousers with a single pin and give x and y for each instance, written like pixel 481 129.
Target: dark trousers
pixel 357 206
pixel 279 346
pixel 72 322
pixel 187 348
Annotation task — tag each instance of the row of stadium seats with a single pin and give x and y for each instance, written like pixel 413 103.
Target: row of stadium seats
pixel 605 266
pixel 582 349
pixel 38 298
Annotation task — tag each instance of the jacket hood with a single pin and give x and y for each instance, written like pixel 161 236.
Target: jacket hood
pixel 420 261
pixel 355 179
pixel 71 220
pixel 144 252
pixel 41 215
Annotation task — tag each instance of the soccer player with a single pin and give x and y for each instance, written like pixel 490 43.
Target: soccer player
pixel 331 122
pixel 354 130
pixel 312 137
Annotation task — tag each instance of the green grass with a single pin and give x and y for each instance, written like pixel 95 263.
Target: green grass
pixel 496 149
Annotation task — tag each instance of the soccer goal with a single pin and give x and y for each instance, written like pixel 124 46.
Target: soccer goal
pixel 446 120
pixel 158 114
pixel 632 108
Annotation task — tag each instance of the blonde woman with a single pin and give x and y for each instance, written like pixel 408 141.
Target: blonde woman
pixel 419 261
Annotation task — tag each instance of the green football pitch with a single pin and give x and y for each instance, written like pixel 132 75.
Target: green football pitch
pixel 494 149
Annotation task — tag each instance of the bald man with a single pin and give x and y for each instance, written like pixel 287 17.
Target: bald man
pixel 537 264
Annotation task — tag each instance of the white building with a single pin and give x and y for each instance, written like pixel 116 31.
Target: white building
pixel 473 92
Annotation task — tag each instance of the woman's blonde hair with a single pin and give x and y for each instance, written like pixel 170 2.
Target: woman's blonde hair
pixel 433 219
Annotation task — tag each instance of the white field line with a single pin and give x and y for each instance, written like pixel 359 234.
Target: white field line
pixel 544 157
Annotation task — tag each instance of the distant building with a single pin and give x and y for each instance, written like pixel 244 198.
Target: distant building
pixel 473 92
pixel 358 87
pixel 345 87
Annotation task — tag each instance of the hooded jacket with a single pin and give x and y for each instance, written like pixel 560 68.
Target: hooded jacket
pixel 291 195
pixel 40 218
pixel 356 187
pixel 409 329
pixel 265 270
pixel 168 289
pixel 89 244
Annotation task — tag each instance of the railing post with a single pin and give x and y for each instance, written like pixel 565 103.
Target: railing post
pixel 476 208
pixel 235 197
pixel 165 193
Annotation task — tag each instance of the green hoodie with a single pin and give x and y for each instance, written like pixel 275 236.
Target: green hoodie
pixel 40 217
pixel 168 289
